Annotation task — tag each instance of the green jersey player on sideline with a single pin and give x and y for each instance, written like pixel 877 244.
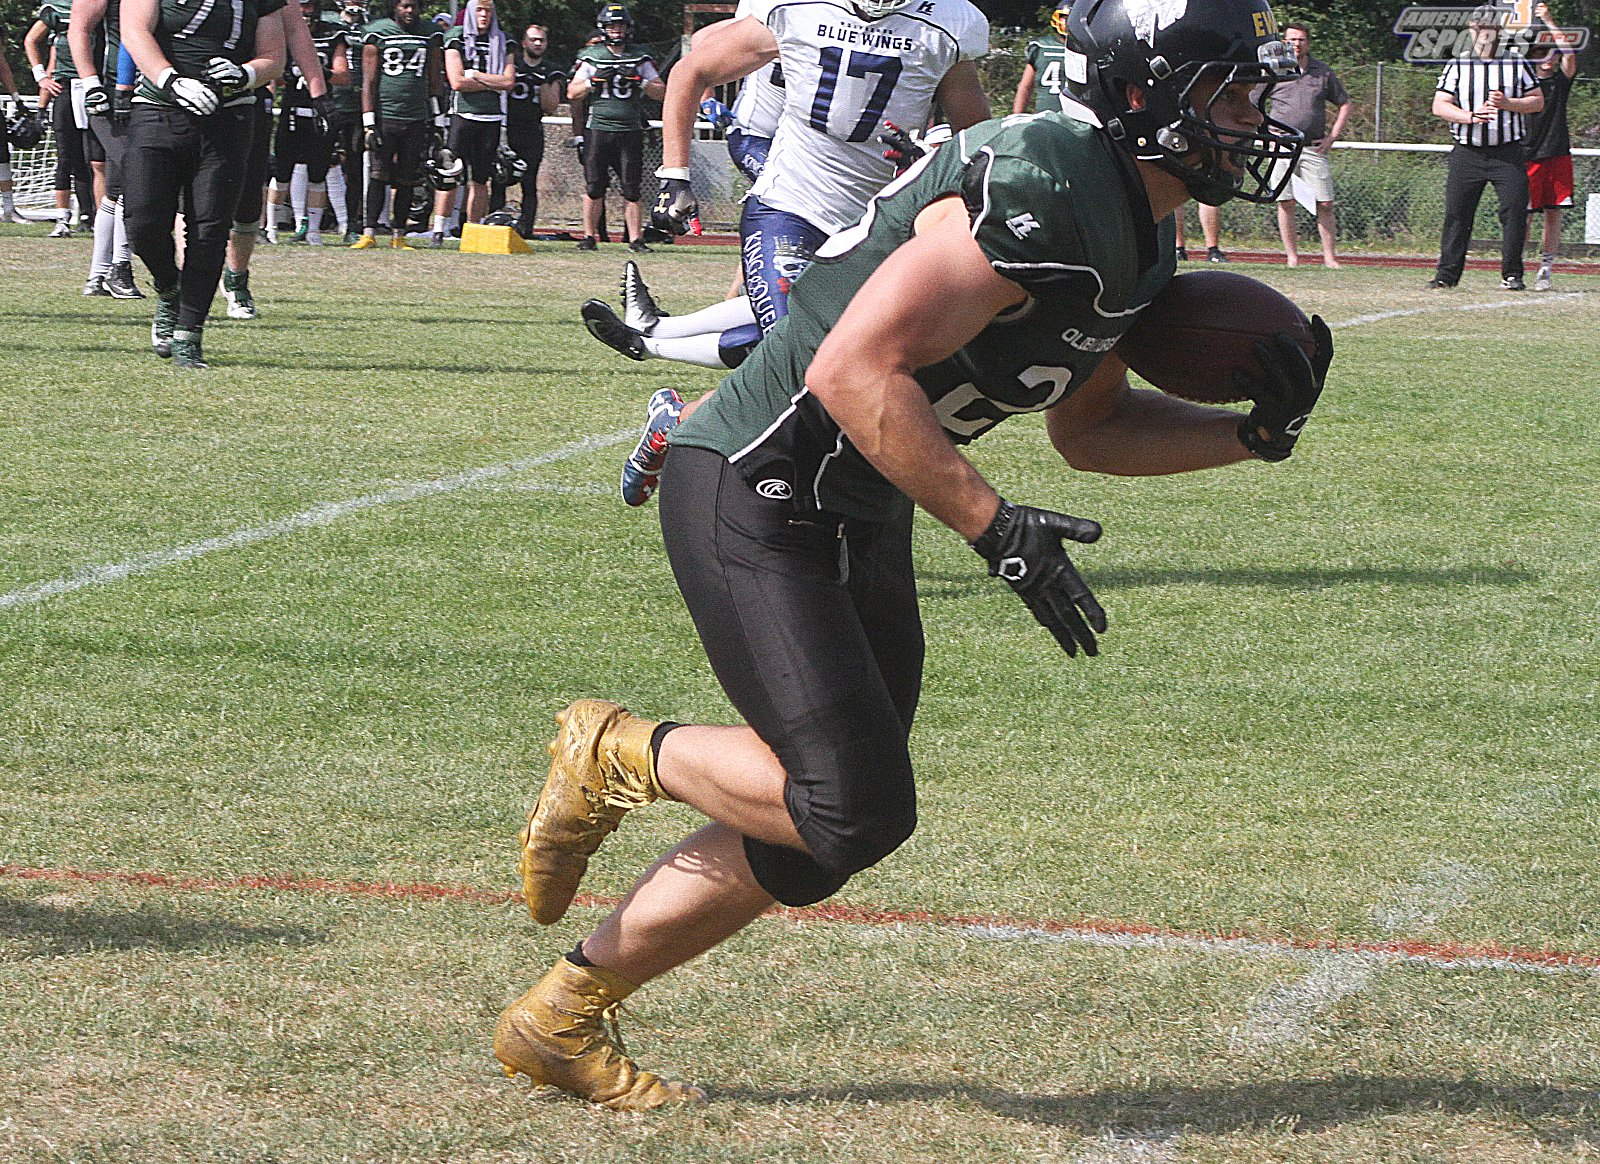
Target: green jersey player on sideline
pixel 402 73
pixel 993 278
pixel 614 77
pixel 1043 83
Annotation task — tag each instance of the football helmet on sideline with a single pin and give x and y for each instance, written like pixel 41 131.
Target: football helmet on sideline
pixel 1167 53
pixel 25 130
pixel 443 168
pixel 509 168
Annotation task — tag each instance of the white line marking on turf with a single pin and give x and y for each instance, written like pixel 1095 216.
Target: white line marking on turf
pixel 1254 948
pixel 1448 885
pixel 1110 1148
pixel 306 519
pixel 1401 313
pixel 1285 1013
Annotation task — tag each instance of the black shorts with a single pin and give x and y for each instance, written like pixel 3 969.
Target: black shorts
pixel 475 143
pixel 605 151
pixel 257 165
pixel 72 161
pixel 813 631
pixel 299 143
pixel 398 162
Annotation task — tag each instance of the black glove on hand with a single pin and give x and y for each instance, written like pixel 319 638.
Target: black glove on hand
pixel 675 207
pixel 324 111
pixel 903 151
pixel 1285 392
pixel 122 106
pixel 96 101
pixel 604 74
pixel 374 138
pixel 1023 546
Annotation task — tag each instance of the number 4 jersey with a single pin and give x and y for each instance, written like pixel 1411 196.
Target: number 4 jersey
pixel 844 76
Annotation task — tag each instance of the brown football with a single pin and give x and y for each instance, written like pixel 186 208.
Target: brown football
pixel 1202 328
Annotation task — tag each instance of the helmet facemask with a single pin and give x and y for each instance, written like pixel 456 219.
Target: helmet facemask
pixel 1254 165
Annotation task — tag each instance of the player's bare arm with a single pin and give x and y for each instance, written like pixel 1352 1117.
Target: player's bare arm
pixel 371 62
pixel 86 17
pixel 1108 426
pixel 297 37
pixel 1019 104
pixel 729 51
pixel 960 95
pixel 39 61
pixel 928 299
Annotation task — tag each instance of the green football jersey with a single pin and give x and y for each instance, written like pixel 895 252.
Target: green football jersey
pixel 403 67
pixel 191 32
pixel 325 38
pixel 347 98
pixel 56 15
pixel 1055 207
pixel 1049 82
pixel 482 104
pixel 616 102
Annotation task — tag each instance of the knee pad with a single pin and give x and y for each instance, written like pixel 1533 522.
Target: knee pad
pixel 246 229
pixel 630 193
pixel 596 189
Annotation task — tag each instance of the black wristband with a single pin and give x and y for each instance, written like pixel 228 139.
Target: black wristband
pixel 988 543
pixel 1262 450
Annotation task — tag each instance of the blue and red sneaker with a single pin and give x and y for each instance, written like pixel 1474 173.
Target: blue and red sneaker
pixel 641 472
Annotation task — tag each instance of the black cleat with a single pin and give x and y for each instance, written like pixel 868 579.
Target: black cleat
pixel 604 325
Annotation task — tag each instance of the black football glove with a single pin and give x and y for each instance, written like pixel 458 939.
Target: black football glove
pixel 122 106
pixel 1285 392
pixel 96 101
pixel 676 211
pixel 1023 546
pixel 323 106
pixel 904 150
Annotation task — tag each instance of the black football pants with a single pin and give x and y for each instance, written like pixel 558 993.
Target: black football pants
pixel 1471 169
pixel 813 631
pixel 170 154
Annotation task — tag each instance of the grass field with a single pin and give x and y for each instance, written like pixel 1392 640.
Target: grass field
pixel 307 616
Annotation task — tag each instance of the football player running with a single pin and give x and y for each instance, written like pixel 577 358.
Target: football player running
pixel 189 136
pixel 993 278
pixel 847 70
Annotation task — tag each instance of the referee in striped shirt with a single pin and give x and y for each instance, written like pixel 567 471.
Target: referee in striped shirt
pixel 1486 97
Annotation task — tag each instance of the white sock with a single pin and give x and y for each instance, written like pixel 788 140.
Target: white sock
pixel 121 250
pixel 64 215
pixel 716 319
pixel 337 193
pixel 273 191
pixel 441 223
pixel 316 203
pixel 105 230
pixel 298 185
pixel 696 349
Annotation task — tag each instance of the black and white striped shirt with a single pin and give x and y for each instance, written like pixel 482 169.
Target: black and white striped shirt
pixel 1469 80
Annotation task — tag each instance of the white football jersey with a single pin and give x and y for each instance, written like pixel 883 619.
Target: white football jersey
pixel 843 77
pixel 759 103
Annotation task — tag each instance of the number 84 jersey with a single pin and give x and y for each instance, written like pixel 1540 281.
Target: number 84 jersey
pixel 844 76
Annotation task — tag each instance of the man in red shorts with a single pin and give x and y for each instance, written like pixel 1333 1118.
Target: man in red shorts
pixel 1550 150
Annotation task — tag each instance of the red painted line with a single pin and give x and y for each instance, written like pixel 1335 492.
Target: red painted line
pixel 1442 953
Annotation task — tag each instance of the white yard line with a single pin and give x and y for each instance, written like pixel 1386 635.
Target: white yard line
pixel 1530 299
pixel 306 519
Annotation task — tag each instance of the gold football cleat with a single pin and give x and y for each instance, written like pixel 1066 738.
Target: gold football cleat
pixel 365 243
pixel 398 242
pixel 601 767
pixel 557 1035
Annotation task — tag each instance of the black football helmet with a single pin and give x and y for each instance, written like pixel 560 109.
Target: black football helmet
pixel 1167 48
pixel 25 130
pixel 509 168
pixel 443 169
pixel 612 14
pixel 1058 18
